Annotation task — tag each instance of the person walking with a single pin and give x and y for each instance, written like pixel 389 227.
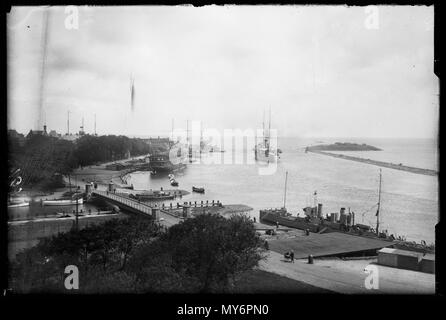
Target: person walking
pixel 292 256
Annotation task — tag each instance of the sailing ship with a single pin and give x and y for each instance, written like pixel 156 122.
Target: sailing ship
pixel 162 149
pixel 263 151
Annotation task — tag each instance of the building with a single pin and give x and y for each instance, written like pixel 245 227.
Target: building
pixel 13 134
pixel 404 259
pixel 70 137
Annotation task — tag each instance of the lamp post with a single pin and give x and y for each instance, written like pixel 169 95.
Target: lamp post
pixel 77 214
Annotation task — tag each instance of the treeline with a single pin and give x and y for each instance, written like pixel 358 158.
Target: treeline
pixel 207 253
pixel 91 149
pixel 44 159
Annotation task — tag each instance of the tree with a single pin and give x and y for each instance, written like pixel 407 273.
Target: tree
pixel 214 250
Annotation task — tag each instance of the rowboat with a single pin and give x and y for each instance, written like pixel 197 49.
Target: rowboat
pixel 17 205
pixel 199 190
pixel 63 202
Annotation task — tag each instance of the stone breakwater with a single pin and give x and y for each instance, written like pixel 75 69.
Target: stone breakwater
pixel 390 165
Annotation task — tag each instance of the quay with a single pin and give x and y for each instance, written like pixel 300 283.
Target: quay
pixel 428 172
pixel 328 244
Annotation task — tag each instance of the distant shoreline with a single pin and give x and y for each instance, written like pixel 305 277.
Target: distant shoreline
pixel 428 172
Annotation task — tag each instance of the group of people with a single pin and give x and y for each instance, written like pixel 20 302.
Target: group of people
pixel 289 255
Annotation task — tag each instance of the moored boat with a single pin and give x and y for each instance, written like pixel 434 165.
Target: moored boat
pixel 264 151
pixel 198 190
pixel 155 195
pixel 174 183
pixel 18 204
pixel 63 202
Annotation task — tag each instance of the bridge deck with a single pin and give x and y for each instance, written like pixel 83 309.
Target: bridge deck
pixel 166 219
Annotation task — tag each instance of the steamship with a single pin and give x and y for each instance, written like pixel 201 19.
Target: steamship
pixel 168 156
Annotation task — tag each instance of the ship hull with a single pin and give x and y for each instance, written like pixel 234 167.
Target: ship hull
pixel 62 202
pixel 17 205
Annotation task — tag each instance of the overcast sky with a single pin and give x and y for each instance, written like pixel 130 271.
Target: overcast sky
pixel 322 72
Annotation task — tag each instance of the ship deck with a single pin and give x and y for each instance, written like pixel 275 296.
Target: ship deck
pixel 326 244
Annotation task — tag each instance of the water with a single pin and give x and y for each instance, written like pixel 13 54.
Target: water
pixel 37 211
pixel 409 202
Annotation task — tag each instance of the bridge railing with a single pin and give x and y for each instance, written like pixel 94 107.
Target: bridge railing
pixel 126 201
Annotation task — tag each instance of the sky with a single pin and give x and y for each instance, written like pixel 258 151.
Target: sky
pixel 325 71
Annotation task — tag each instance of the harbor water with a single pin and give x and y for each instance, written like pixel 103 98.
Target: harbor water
pixel 409 202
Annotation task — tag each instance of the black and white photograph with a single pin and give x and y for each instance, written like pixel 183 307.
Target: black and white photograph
pixel 224 149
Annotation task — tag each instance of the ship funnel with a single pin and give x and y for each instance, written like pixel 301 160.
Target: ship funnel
pixel 319 210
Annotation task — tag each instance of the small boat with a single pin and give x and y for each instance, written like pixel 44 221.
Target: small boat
pixel 174 183
pixel 62 202
pixel 156 195
pixel 198 190
pixel 18 204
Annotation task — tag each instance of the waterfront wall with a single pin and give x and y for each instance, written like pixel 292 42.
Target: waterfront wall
pixel 26 234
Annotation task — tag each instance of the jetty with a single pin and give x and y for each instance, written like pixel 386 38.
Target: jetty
pixel 428 172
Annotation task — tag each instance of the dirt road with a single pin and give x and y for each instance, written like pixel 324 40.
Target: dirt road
pixel 349 277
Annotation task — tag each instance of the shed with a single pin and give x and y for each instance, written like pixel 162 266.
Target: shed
pixel 427 263
pixel 401 259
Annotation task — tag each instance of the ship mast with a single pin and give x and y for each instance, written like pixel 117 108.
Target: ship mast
pixel 269 128
pixel 379 204
pixel 68 123
pixel 189 145
pixel 284 195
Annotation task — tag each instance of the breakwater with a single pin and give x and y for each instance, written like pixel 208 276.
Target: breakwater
pixel 389 165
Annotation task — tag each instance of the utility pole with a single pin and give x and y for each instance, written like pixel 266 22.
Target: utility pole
pixel 284 195
pixel 77 214
pixel 68 123
pixel 379 204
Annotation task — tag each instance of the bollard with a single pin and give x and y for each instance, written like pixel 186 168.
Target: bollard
pixel 310 259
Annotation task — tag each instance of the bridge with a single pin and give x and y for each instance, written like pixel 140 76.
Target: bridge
pixel 163 217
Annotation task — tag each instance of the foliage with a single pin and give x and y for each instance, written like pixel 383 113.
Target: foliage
pixel 97 251
pixel 213 250
pixel 42 159
pixel 202 254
